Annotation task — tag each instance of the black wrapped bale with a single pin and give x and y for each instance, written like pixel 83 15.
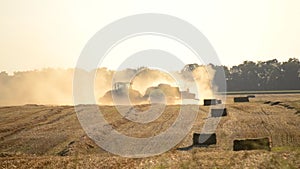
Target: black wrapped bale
pixel 219 101
pixel 204 139
pixel 208 102
pixel 251 96
pixel 218 112
pixel 275 103
pixel 252 144
pixel 241 99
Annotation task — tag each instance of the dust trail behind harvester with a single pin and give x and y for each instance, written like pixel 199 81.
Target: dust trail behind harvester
pixel 54 86
pixel 197 80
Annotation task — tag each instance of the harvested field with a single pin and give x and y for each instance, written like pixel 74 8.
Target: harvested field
pixel 40 136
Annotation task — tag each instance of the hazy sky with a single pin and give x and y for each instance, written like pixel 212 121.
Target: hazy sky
pixel 51 33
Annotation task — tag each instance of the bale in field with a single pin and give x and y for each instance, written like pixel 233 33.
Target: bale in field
pixel 241 99
pixel 275 103
pixel 251 96
pixel 218 112
pixel 204 139
pixel 208 102
pixel 252 144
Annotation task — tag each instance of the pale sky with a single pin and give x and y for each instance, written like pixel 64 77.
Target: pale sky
pixel 36 34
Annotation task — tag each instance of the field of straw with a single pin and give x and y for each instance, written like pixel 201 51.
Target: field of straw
pixel 44 136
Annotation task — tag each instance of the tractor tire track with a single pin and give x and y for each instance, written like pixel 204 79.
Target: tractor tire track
pixel 39 120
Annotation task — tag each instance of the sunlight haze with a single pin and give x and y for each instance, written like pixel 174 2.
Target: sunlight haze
pixel 39 34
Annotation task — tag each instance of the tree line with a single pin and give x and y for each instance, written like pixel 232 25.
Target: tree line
pixel 261 75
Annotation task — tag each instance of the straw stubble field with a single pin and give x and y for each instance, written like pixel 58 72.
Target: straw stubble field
pixel 43 136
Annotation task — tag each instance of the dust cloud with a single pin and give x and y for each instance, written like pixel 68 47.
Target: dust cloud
pixel 47 86
pixel 54 86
